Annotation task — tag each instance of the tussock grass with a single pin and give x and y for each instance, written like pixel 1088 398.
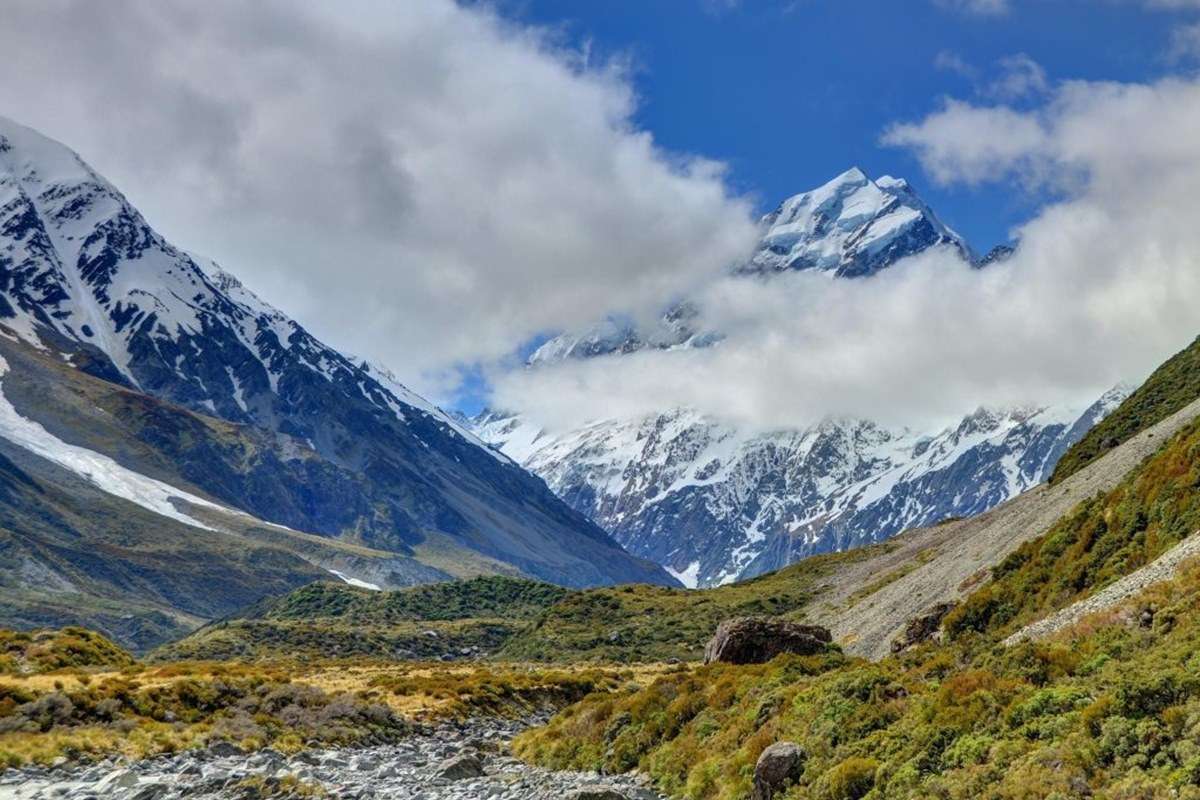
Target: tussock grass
pixel 107 705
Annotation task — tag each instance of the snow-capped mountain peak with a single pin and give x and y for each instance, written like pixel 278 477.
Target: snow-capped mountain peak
pixel 851 227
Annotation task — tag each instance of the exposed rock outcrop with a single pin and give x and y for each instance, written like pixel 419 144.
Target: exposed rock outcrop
pixel 923 627
pixel 755 640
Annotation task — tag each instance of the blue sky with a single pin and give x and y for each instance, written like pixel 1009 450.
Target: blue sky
pixel 789 94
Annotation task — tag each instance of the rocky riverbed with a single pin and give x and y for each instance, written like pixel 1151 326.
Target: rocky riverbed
pixel 467 761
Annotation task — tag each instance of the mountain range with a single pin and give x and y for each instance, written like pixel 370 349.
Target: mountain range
pixel 715 502
pixel 155 377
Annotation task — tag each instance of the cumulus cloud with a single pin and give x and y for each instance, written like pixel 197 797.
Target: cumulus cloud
pixel 1014 78
pixel 972 144
pixel 1101 288
pixel 421 182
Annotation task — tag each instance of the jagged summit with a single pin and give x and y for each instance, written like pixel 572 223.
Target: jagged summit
pixel 852 227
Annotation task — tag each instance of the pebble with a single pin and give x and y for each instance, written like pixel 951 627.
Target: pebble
pixel 411 769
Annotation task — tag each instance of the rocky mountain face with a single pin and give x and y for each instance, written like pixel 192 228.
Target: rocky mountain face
pixel 715 503
pixel 85 278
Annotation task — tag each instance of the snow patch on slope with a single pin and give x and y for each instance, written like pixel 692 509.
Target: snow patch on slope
pixel 99 470
pixel 361 584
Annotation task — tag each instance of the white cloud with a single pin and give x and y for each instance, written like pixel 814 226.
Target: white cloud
pixel 420 182
pixel 1020 76
pixel 1102 288
pixel 972 144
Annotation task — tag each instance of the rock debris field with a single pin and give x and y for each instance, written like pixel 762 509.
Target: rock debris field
pixel 465 761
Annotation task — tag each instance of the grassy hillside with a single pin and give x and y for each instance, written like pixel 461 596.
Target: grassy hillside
pixel 1171 387
pixel 1111 711
pixel 645 623
pixel 511 619
pixel 326 619
pixel 32 652
pixel 491 596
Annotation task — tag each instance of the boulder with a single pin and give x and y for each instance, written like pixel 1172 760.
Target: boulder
pixel 779 766
pixel 461 767
pixel 755 640
pixel 922 628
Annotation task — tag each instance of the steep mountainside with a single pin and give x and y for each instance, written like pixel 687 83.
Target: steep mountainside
pixel 103 522
pixel 715 503
pixel 1175 384
pixel 83 275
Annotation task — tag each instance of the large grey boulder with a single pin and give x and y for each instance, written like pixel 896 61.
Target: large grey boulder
pixel 779 766
pixel 755 640
pixel 461 767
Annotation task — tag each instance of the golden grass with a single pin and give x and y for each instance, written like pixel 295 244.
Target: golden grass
pixel 411 691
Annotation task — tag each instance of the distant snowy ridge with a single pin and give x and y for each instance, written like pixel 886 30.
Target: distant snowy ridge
pixel 715 503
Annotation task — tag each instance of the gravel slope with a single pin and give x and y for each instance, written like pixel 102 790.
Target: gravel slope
pixel 1160 569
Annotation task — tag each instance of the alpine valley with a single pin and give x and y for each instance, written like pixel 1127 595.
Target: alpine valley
pixel 173 448
pixel 714 502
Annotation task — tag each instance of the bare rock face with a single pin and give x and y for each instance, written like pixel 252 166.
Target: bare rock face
pixel 780 765
pixel 755 640
pixel 922 628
